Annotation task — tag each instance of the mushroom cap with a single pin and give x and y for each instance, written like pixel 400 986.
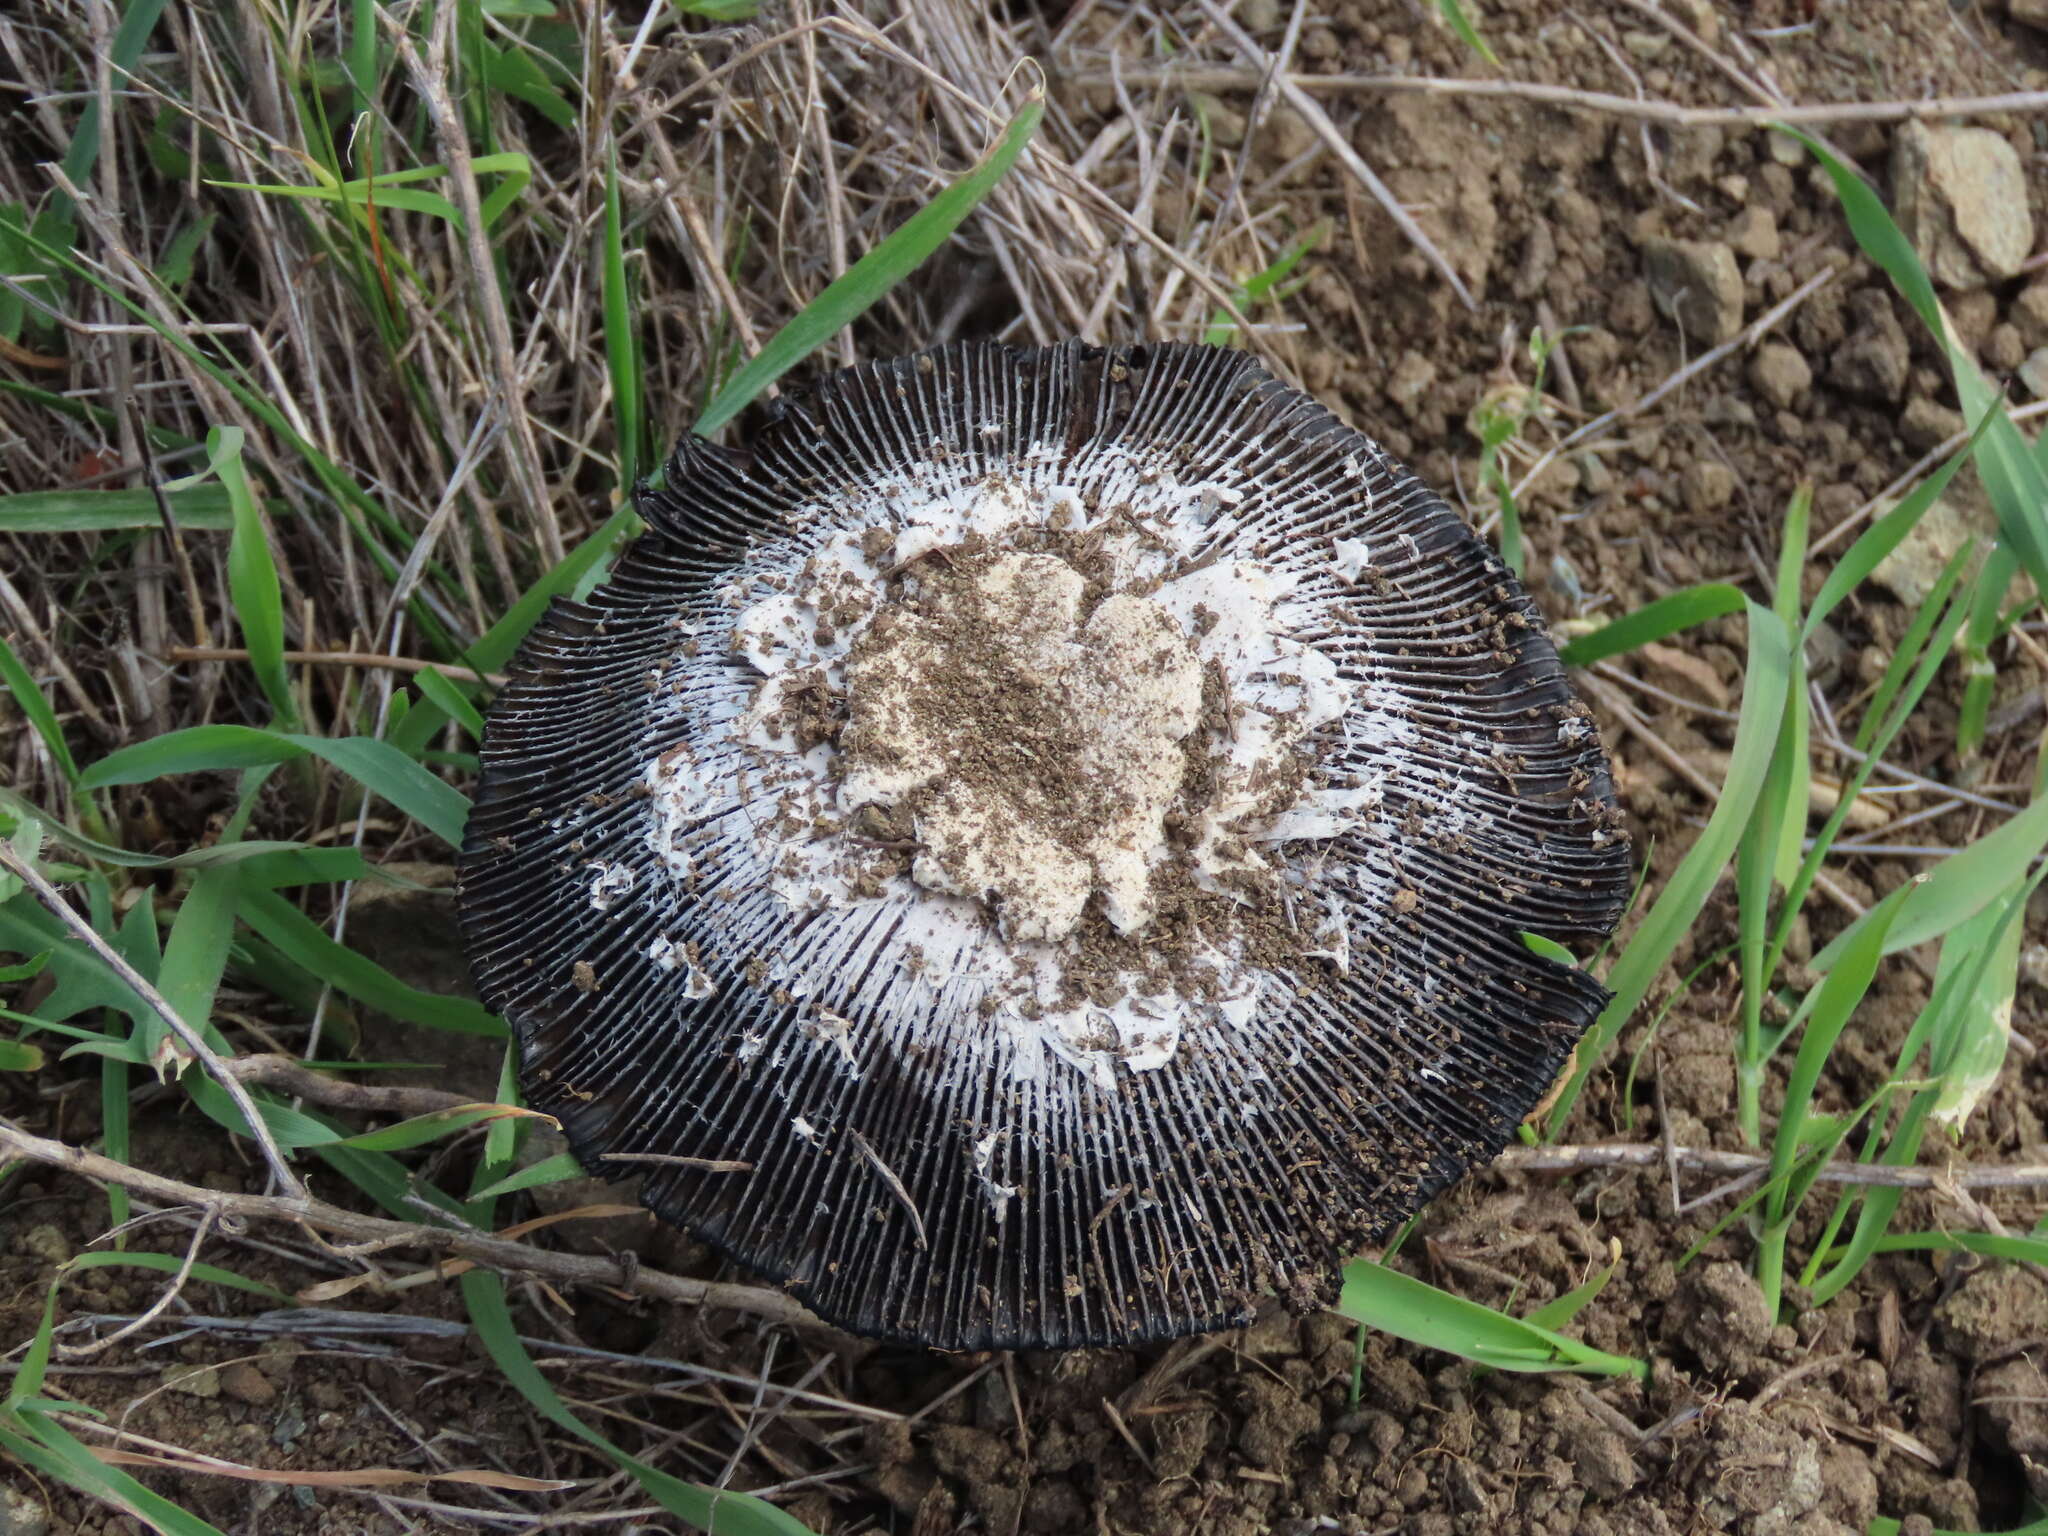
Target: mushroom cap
pixel 1033 851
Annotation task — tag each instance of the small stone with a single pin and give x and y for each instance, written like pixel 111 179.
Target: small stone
pixel 245 1384
pixel 1925 424
pixel 1286 134
pixel 1699 15
pixel 1225 122
pixel 2032 13
pixel 2029 315
pixel 193 1380
pixel 1412 378
pixel 1754 233
pixel 1707 485
pixel 1698 284
pixel 1778 371
pixel 2034 373
pixel 45 1242
pixel 1910 571
pixel 22 1513
pixel 1973 315
pixel 1646 45
pixel 2003 348
pixel 1961 196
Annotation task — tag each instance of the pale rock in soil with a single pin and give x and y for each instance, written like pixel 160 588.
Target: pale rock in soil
pixel 2003 348
pixel 1992 1308
pixel 1973 315
pixel 1779 372
pixel 2033 13
pixel 1699 15
pixel 2034 373
pixel 1925 423
pixel 22 1513
pixel 1961 197
pixel 1698 284
pixel 1226 123
pixel 245 1384
pixel 2029 314
pixel 1910 571
pixel 1706 486
pixel 193 1380
pixel 45 1242
pixel 1413 377
pixel 1754 233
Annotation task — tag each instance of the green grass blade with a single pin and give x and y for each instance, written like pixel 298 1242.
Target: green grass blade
pixel 723 1514
pixel 196 506
pixel 1886 534
pixel 421 1129
pixel 252 577
pixel 1656 621
pixel 1756 734
pixel 549 1170
pixel 29 699
pixel 1992 1245
pixel 1896 708
pixel 195 955
pixel 1958 887
pixel 378 766
pixel 306 944
pixel 1409 1309
pixel 35 1360
pixel 849 297
pixel 445 696
pixel 1980 674
pixel 81 155
pixel 621 339
pixel 2013 478
pixel 171 1263
pixel 1222 329
pixel 1453 12
pixel 38 1441
pixel 1840 993
pixel 497 646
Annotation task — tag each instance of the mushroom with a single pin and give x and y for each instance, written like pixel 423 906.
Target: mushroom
pixel 1034 850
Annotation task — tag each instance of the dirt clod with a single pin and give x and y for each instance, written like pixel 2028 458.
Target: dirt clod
pixel 1722 1318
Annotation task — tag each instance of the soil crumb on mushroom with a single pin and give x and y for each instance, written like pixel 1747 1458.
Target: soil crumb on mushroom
pixel 1065 820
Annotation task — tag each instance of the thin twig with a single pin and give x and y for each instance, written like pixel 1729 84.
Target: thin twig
pixel 1569 1159
pixel 480 1248
pixel 340 659
pixel 158 1004
pixel 430 79
pixel 207 1216
pixel 1753 333
pixel 1196 78
pixel 304 1082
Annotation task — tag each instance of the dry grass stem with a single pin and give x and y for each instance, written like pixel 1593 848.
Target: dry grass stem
pixel 193 1041
pixel 481 1248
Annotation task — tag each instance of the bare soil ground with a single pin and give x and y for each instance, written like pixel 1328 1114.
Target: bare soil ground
pixel 1919 1395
